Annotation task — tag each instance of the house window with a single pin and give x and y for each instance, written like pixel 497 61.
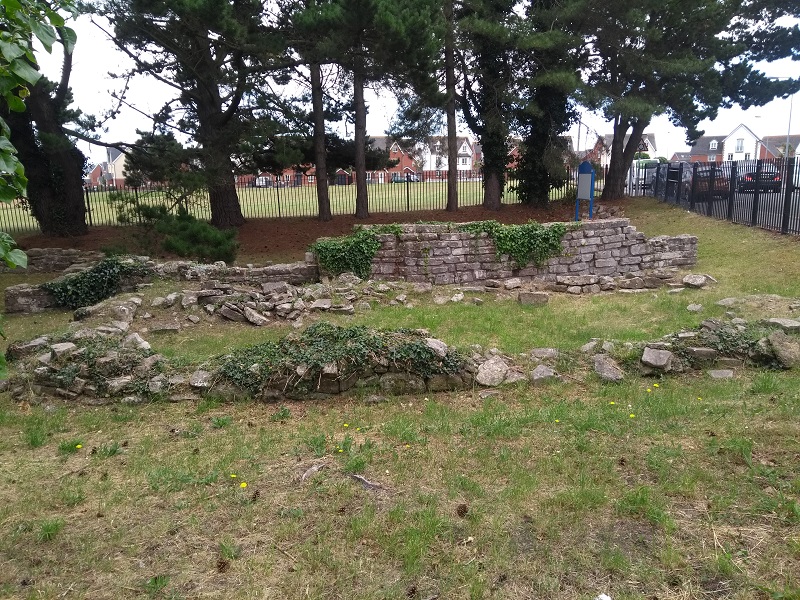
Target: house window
pixel 740 145
pixel 310 179
pixel 712 158
pixel 747 156
pixel 286 177
pixel 712 145
pixel 730 156
pixel 438 173
pixel 464 160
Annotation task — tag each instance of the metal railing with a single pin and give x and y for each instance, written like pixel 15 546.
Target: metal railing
pixel 757 193
pixel 290 196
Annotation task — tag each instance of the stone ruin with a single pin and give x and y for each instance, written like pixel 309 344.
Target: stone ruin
pixel 598 256
pixel 106 356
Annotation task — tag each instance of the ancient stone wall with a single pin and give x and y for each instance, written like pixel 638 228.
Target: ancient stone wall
pixel 439 254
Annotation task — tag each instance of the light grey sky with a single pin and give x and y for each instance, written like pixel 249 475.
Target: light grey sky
pixel 95 57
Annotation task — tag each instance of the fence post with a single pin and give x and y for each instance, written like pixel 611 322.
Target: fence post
pixel 678 184
pixel 693 188
pixel 732 191
pixel 88 205
pixel 756 196
pixel 408 193
pixel 789 192
pixel 278 194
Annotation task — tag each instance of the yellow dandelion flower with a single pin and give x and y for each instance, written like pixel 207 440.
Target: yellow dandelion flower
pixel 656 385
pixel 233 475
pixel 79 446
pixel 557 421
pixel 612 403
pixel 631 415
pixel 347 425
pixel 649 390
pixel 358 428
pixel 243 484
pixel 340 450
pixel 699 398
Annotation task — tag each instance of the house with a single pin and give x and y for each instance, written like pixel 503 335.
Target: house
pixel 681 157
pixel 407 160
pixel 707 149
pixel 109 173
pixel 433 159
pixel 772 146
pixel 115 168
pixel 741 144
pixel 646 144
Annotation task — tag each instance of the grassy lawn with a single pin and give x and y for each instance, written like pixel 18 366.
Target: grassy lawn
pixel 681 487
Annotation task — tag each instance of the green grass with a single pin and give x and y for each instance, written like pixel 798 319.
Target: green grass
pixel 554 492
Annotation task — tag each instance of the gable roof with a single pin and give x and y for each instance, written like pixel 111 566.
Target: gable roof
pixel 741 126
pixel 775 144
pixel 650 137
pixel 702 145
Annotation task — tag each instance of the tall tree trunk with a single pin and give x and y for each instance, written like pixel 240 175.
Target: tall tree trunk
pixel 226 212
pixel 55 187
pixel 362 200
pixel 622 156
pixel 320 155
pixel 495 154
pixel 492 190
pixel 450 107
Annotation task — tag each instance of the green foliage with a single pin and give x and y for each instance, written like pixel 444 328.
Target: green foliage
pixel 49 529
pixel 11 256
pixel 299 361
pixel 96 283
pixel 70 446
pixel 155 585
pixel 188 237
pixel 22 21
pixel 352 253
pixel 181 233
pixel 220 422
pixel 282 414
pixel 528 243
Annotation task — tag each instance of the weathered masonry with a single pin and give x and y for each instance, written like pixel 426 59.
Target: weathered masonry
pixel 438 254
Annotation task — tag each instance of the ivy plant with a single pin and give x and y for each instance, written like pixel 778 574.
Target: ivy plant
pixel 353 253
pixel 96 283
pixel 528 243
pixel 299 361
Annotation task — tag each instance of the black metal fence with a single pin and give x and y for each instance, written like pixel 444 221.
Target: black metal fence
pixel 291 196
pixel 757 193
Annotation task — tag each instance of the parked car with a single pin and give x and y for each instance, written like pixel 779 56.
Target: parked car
pixel 710 182
pixel 403 177
pixel 768 180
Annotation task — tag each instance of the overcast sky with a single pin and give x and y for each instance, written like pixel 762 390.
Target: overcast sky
pixel 95 57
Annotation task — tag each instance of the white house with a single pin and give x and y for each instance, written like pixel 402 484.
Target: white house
pixel 432 157
pixel 740 144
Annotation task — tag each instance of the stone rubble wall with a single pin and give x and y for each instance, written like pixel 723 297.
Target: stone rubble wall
pixel 436 254
pixel 57 260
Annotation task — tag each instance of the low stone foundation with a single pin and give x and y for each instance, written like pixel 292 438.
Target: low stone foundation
pixel 438 254
pixel 57 260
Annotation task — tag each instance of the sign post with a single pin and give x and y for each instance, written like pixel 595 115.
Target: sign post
pixel 585 188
